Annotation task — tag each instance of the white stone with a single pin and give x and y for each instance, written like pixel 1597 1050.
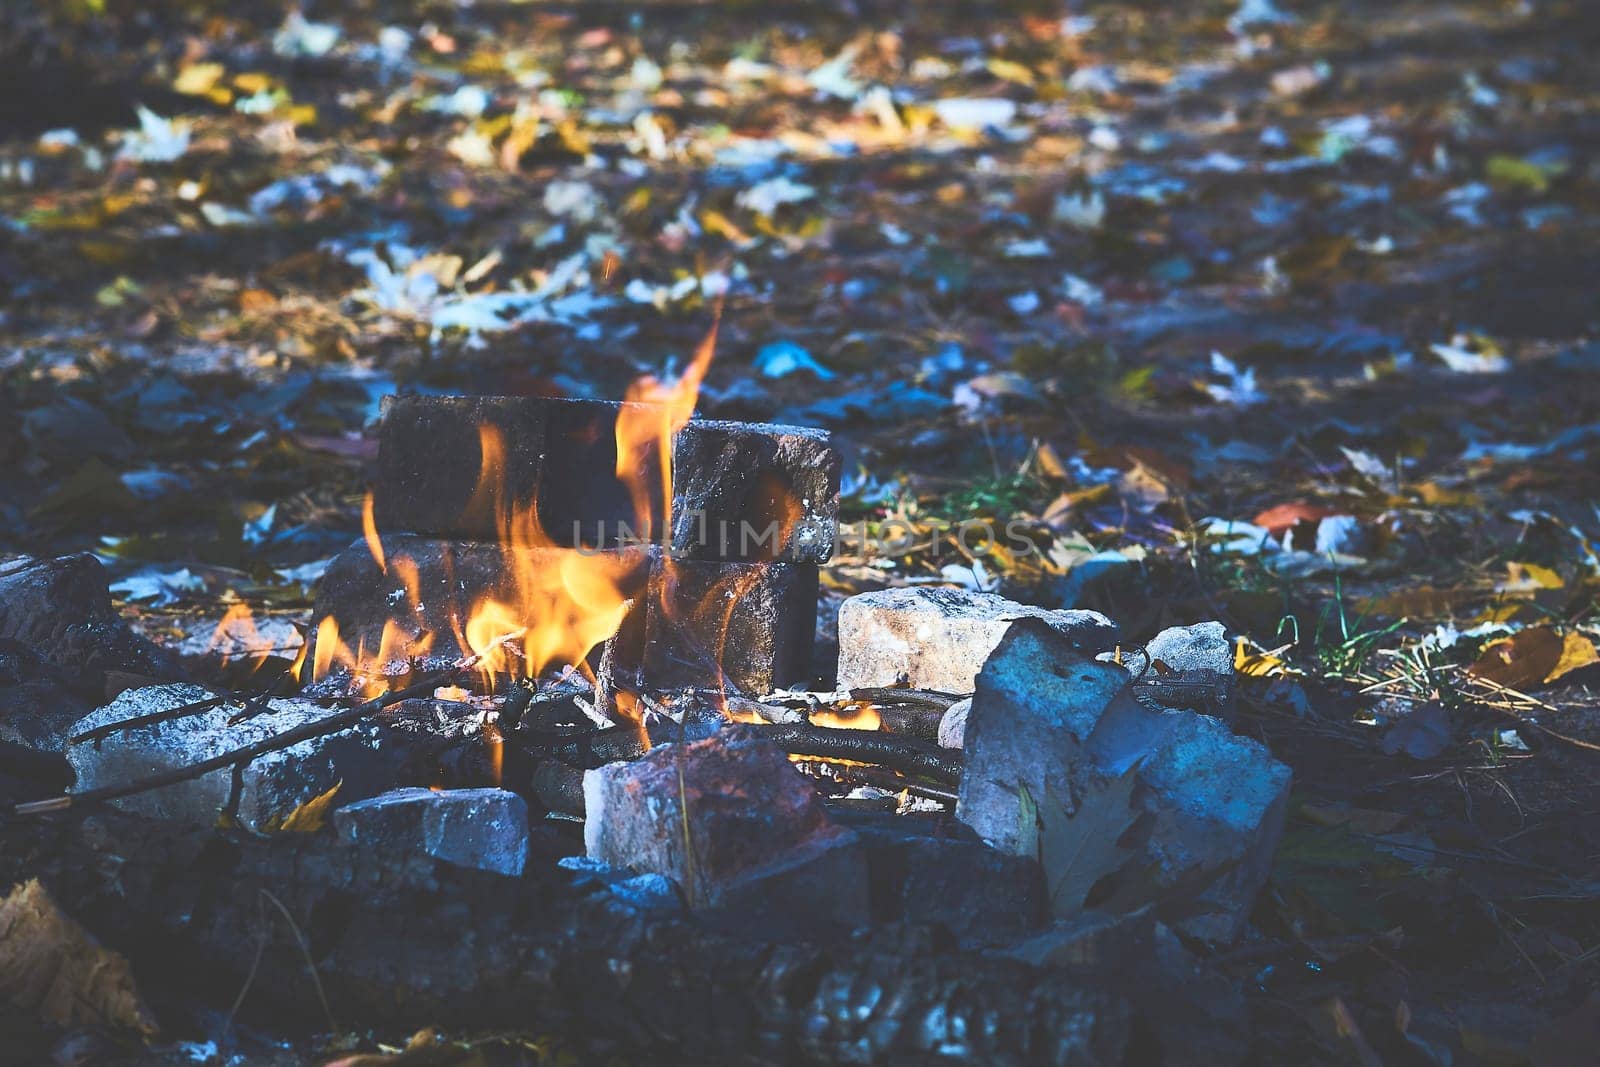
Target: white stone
pixel 938 638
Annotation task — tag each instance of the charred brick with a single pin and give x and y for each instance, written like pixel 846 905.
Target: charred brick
pixel 755 620
pixel 753 491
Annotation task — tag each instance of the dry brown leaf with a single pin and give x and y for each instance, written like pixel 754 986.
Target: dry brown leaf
pixel 309 817
pixel 1523 660
pixel 54 968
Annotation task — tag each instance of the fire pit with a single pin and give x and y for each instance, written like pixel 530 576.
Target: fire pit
pixel 567 611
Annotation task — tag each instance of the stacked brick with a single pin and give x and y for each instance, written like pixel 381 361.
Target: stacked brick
pixel 722 594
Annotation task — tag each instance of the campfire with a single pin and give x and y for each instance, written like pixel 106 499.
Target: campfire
pixel 572 611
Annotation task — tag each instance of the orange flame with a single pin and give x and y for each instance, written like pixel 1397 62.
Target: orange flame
pixel 552 606
pixel 849 717
pixel 369 530
pixel 645 432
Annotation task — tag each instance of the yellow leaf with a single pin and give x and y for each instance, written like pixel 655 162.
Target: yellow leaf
pixel 1255 664
pixel 1437 496
pixel 1522 577
pixel 637 201
pixel 309 817
pixel 251 83
pixel 1577 651
pixel 1006 70
pixel 53 968
pixel 198 79
pixel 714 221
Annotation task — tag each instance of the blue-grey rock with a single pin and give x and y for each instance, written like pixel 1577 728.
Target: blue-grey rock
pixel 1207 806
pixel 486 829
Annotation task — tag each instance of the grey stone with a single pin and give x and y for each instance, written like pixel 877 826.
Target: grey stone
pixel 937 638
pixel 1191 667
pixel 730 820
pixel 61 608
pixel 754 491
pixel 1217 803
pixel 486 829
pixel 953 725
pixel 363 760
pixel 1047 718
pixel 1037 702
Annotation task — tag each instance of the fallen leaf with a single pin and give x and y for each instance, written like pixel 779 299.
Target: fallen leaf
pixel 1255 664
pixel 1527 577
pixel 52 967
pixel 1284 516
pixel 1577 651
pixel 1422 734
pixel 1078 850
pixel 1525 659
pixel 309 817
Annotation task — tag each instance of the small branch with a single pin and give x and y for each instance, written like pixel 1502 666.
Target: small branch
pixel 194 707
pixel 854 774
pixel 898 753
pixel 881 695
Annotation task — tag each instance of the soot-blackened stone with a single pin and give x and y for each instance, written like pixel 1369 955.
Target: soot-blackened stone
pixel 431 460
pixel 742 491
pixel 756 620
pixel 754 491
pixel 731 821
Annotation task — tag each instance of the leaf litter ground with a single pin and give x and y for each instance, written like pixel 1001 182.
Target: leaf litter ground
pixel 1278 314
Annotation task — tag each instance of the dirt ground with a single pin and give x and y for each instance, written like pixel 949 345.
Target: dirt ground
pixel 1280 314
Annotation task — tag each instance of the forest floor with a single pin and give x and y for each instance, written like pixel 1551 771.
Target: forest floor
pixel 1283 315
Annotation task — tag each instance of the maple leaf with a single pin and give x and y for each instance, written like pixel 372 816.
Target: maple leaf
pixel 1078 849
